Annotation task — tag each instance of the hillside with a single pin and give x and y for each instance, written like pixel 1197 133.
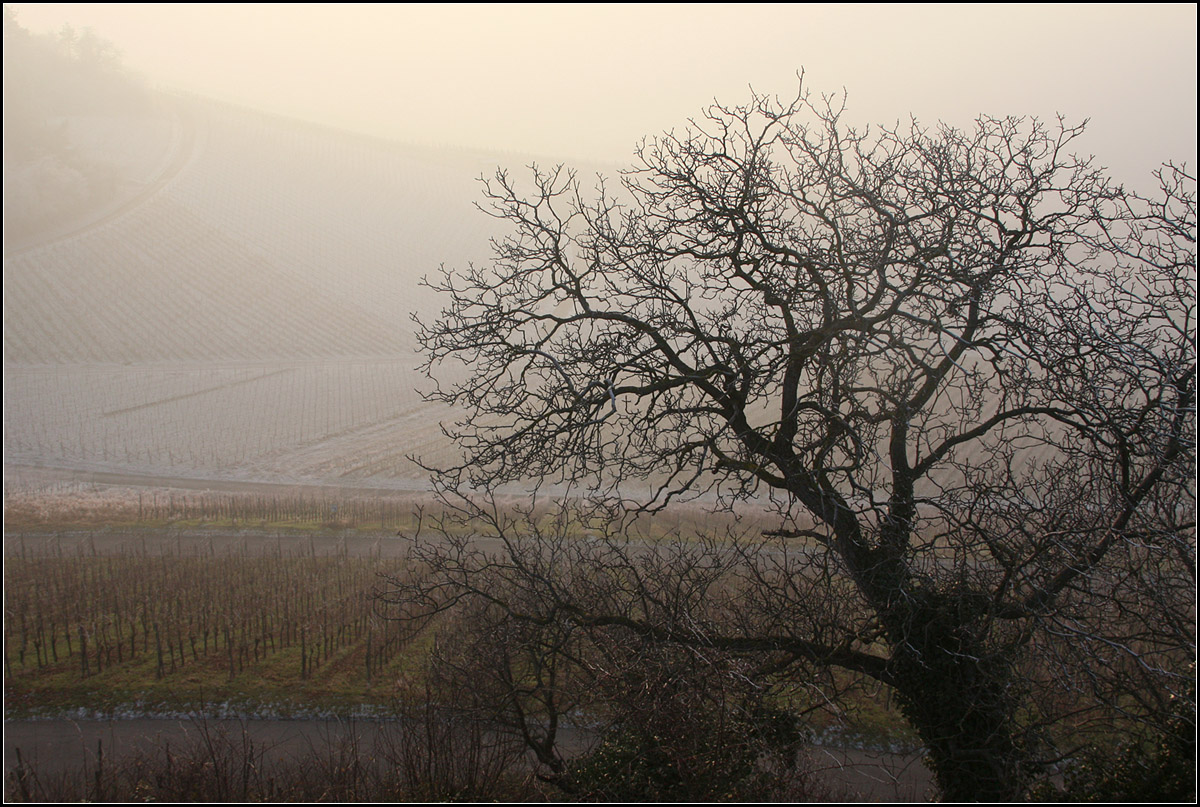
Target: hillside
pixel 243 309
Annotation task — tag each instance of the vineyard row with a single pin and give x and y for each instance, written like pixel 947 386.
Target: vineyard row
pixel 218 613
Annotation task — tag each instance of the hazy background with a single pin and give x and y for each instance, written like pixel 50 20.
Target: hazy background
pixel 196 291
pixel 587 82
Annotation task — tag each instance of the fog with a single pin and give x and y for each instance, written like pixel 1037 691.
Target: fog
pixel 200 284
pixel 219 222
pixel 570 82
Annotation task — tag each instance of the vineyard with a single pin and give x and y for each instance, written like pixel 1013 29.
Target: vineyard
pixel 249 315
pixel 330 420
pixel 169 624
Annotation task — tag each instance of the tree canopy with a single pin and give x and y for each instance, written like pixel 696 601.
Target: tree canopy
pixel 960 363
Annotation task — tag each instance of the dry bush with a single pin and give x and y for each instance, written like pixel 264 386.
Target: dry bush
pixel 607 712
pixel 430 756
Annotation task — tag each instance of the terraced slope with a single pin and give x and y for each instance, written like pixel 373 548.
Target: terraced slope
pixel 245 314
pixel 269 240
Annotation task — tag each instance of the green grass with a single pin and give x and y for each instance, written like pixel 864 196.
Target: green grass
pixel 337 685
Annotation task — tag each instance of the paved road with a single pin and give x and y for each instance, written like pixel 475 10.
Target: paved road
pixel 71 747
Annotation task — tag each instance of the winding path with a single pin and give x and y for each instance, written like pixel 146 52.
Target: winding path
pixel 178 155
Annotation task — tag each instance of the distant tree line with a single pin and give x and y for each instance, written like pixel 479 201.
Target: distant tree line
pixel 49 78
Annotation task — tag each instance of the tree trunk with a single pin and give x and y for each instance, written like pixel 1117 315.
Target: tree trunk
pixel 961 699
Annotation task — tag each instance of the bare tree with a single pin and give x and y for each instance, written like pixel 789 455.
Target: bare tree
pixel 961 364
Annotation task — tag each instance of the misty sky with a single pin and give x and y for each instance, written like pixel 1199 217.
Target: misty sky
pixel 571 82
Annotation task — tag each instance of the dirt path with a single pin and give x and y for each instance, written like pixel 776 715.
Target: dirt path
pixel 178 155
pixel 34 475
